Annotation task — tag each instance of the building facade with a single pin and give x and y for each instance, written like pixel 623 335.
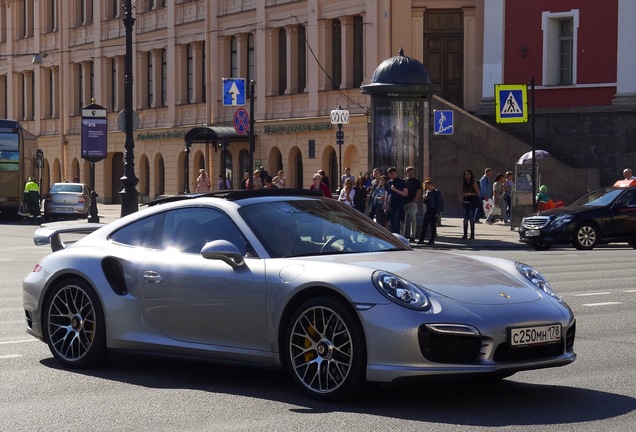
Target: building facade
pixel 307 57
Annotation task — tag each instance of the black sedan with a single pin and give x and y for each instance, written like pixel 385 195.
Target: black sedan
pixel 605 215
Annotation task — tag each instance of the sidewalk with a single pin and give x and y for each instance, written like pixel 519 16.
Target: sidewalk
pixel 449 235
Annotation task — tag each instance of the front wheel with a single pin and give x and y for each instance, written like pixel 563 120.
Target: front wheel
pixel 74 324
pixel 325 349
pixel 586 237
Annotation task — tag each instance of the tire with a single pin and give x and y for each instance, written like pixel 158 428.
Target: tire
pixel 325 350
pixel 586 236
pixel 74 325
pixel 543 246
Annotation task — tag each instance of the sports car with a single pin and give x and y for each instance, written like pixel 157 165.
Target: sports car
pixel 288 279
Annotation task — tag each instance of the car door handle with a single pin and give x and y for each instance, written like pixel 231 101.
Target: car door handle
pixel 152 277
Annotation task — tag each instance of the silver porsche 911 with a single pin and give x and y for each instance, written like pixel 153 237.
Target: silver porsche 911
pixel 283 278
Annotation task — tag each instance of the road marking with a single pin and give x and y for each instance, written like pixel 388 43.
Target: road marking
pixel 8 356
pixel 592 294
pixel 18 341
pixel 602 304
pixel 629 291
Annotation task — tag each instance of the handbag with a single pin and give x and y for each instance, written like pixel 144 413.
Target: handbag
pixel 24 209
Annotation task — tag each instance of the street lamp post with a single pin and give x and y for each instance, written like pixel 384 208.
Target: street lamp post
pixel 129 194
pixel 339 117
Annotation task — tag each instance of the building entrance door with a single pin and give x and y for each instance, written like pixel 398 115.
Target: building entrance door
pixel 444 52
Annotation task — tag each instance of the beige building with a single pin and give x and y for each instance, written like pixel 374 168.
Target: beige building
pixel 306 57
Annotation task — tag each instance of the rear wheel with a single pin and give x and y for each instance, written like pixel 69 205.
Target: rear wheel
pixel 586 236
pixel 325 349
pixel 74 324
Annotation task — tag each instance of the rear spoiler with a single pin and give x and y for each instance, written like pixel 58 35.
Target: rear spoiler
pixel 51 235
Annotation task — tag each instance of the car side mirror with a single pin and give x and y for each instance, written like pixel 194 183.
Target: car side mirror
pixel 225 251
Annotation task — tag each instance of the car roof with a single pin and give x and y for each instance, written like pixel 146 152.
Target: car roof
pixel 239 194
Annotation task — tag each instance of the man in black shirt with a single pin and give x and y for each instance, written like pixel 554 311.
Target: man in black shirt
pixel 398 191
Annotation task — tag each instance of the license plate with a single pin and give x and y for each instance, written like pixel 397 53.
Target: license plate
pixel 524 336
pixel 532 233
pixel 64 210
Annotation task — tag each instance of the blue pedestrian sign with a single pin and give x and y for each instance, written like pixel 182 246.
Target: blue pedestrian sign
pixel 233 91
pixel 511 103
pixel 443 122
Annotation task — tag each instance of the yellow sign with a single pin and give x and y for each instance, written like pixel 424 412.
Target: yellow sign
pixel 511 103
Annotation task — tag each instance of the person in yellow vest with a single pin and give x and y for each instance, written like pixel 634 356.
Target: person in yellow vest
pixel 32 199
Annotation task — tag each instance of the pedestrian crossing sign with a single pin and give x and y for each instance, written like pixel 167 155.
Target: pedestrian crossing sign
pixel 511 103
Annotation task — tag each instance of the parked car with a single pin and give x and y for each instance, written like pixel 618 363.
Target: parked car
pixel 287 278
pixel 605 215
pixel 67 200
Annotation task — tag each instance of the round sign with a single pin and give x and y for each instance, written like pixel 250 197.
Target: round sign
pixel 339 116
pixel 121 120
pixel 241 121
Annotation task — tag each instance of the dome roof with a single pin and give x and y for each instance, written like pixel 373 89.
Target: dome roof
pixel 400 74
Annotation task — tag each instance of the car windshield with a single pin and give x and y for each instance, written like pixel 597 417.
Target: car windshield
pixel 300 227
pixel 62 188
pixel 598 198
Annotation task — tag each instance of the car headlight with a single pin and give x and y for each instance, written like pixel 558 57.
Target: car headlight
pixel 559 221
pixel 536 278
pixel 400 291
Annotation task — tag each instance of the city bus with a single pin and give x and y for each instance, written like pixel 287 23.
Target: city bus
pixel 17 163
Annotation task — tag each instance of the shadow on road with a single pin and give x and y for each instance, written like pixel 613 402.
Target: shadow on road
pixel 455 402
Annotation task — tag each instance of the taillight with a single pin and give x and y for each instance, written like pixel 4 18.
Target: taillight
pixel 37 268
pixel 81 199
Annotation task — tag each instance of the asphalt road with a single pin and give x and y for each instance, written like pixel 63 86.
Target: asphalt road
pixel 596 393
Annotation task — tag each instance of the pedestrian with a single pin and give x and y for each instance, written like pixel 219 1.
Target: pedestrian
pixel 346 175
pixel 397 192
pixel 318 185
pixel 544 202
pixel 485 188
pixel 470 199
pixel 432 200
pixel 372 188
pixel 255 181
pixel 268 183
pixel 221 182
pixel 325 180
pixel 379 199
pixel 360 195
pixel 262 173
pixel 246 178
pixel 627 174
pixel 279 181
pixel 410 204
pixel 498 199
pixel 203 182
pixel 347 193
pixel 509 186
pixel 367 179
pixel 32 199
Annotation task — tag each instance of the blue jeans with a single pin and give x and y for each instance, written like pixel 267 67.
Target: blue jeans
pixel 396 216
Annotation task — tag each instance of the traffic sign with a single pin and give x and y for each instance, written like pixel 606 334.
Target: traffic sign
pixel 511 103
pixel 339 116
pixel 241 121
pixel 233 91
pixel 443 122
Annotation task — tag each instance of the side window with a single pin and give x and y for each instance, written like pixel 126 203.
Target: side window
pixel 631 202
pixel 189 229
pixel 142 233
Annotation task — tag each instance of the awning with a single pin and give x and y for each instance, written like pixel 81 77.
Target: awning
pixel 214 135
